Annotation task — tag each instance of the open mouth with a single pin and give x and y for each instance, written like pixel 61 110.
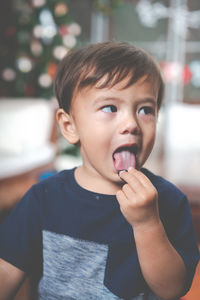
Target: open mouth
pixel 125 157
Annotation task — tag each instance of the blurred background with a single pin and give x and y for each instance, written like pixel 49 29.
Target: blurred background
pixel 36 34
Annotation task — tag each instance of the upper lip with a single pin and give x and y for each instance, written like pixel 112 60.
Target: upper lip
pixel 133 147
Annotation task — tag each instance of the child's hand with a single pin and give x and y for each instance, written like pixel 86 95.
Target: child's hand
pixel 138 199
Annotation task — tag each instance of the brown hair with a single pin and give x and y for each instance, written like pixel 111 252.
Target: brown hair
pixel 113 60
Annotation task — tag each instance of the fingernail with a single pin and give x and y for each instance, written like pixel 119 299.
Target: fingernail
pixel 130 168
pixel 121 171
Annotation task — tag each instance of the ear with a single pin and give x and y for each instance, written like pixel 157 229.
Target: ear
pixel 67 126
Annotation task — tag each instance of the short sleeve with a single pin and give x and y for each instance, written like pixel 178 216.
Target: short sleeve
pixel 20 235
pixel 184 239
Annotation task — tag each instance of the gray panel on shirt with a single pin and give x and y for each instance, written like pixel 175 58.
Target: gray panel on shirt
pixel 74 269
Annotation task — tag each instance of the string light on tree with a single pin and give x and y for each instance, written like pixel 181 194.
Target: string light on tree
pixel 61 9
pixel 37 31
pixel 24 64
pixel 49 29
pixel 38 3
pixel 51 69
pixel 36 48
pixel 63 30
pixel 45 80
pixel 8 74
pixel 74 29
pixel 69 41
pixel 59 52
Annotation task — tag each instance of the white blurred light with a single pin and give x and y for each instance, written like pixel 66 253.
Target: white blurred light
pixel 38 3
pixel 69 40
pixel 37 31
pixel 45 80
pixel 49 28
pixel 8 74
pixel 74 29
pixel 24 64
pixel 59 52
pixel 48 32
pixel 36 48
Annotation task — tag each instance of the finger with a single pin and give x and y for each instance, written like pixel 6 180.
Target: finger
pixel 144 180
pixel 146 183
pixel 129 192
pixel 132 179
pixel 121 198
pixel 141 176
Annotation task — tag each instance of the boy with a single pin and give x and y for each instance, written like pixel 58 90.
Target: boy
pixel 108 229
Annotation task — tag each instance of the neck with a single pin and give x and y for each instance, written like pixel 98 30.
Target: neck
pixel 88 180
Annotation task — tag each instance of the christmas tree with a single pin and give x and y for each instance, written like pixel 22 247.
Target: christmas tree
pixel 44 32
pixel 37 36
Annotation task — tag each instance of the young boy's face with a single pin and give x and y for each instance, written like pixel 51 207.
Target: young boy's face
pixel 115 127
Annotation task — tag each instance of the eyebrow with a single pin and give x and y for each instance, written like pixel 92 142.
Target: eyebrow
pixel 106 99
pixel 149 99
pixel 139 100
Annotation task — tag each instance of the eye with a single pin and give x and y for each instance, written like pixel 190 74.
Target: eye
pixel 147 110
pixel 109 109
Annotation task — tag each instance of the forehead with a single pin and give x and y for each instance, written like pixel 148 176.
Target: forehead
pixel 144 86
pixel 145 80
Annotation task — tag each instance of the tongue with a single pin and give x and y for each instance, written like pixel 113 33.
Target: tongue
pixel 123 160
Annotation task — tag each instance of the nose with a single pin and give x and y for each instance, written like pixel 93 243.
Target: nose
pixel 129 125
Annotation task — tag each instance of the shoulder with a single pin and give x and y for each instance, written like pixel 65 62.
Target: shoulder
pixel 171 198
pixel 163 186
pixel 58 177
pixel 54 182
pixel 48 191
pixel 174 207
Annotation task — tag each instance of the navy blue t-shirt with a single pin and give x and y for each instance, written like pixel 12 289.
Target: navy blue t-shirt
pixel 79 245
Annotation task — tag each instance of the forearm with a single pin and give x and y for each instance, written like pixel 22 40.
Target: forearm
pixel 161 265
pixel 10 280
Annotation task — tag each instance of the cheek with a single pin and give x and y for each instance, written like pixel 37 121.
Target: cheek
pixel 148 143
pixel 150 136
pixel 92 138
pixel 151 144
